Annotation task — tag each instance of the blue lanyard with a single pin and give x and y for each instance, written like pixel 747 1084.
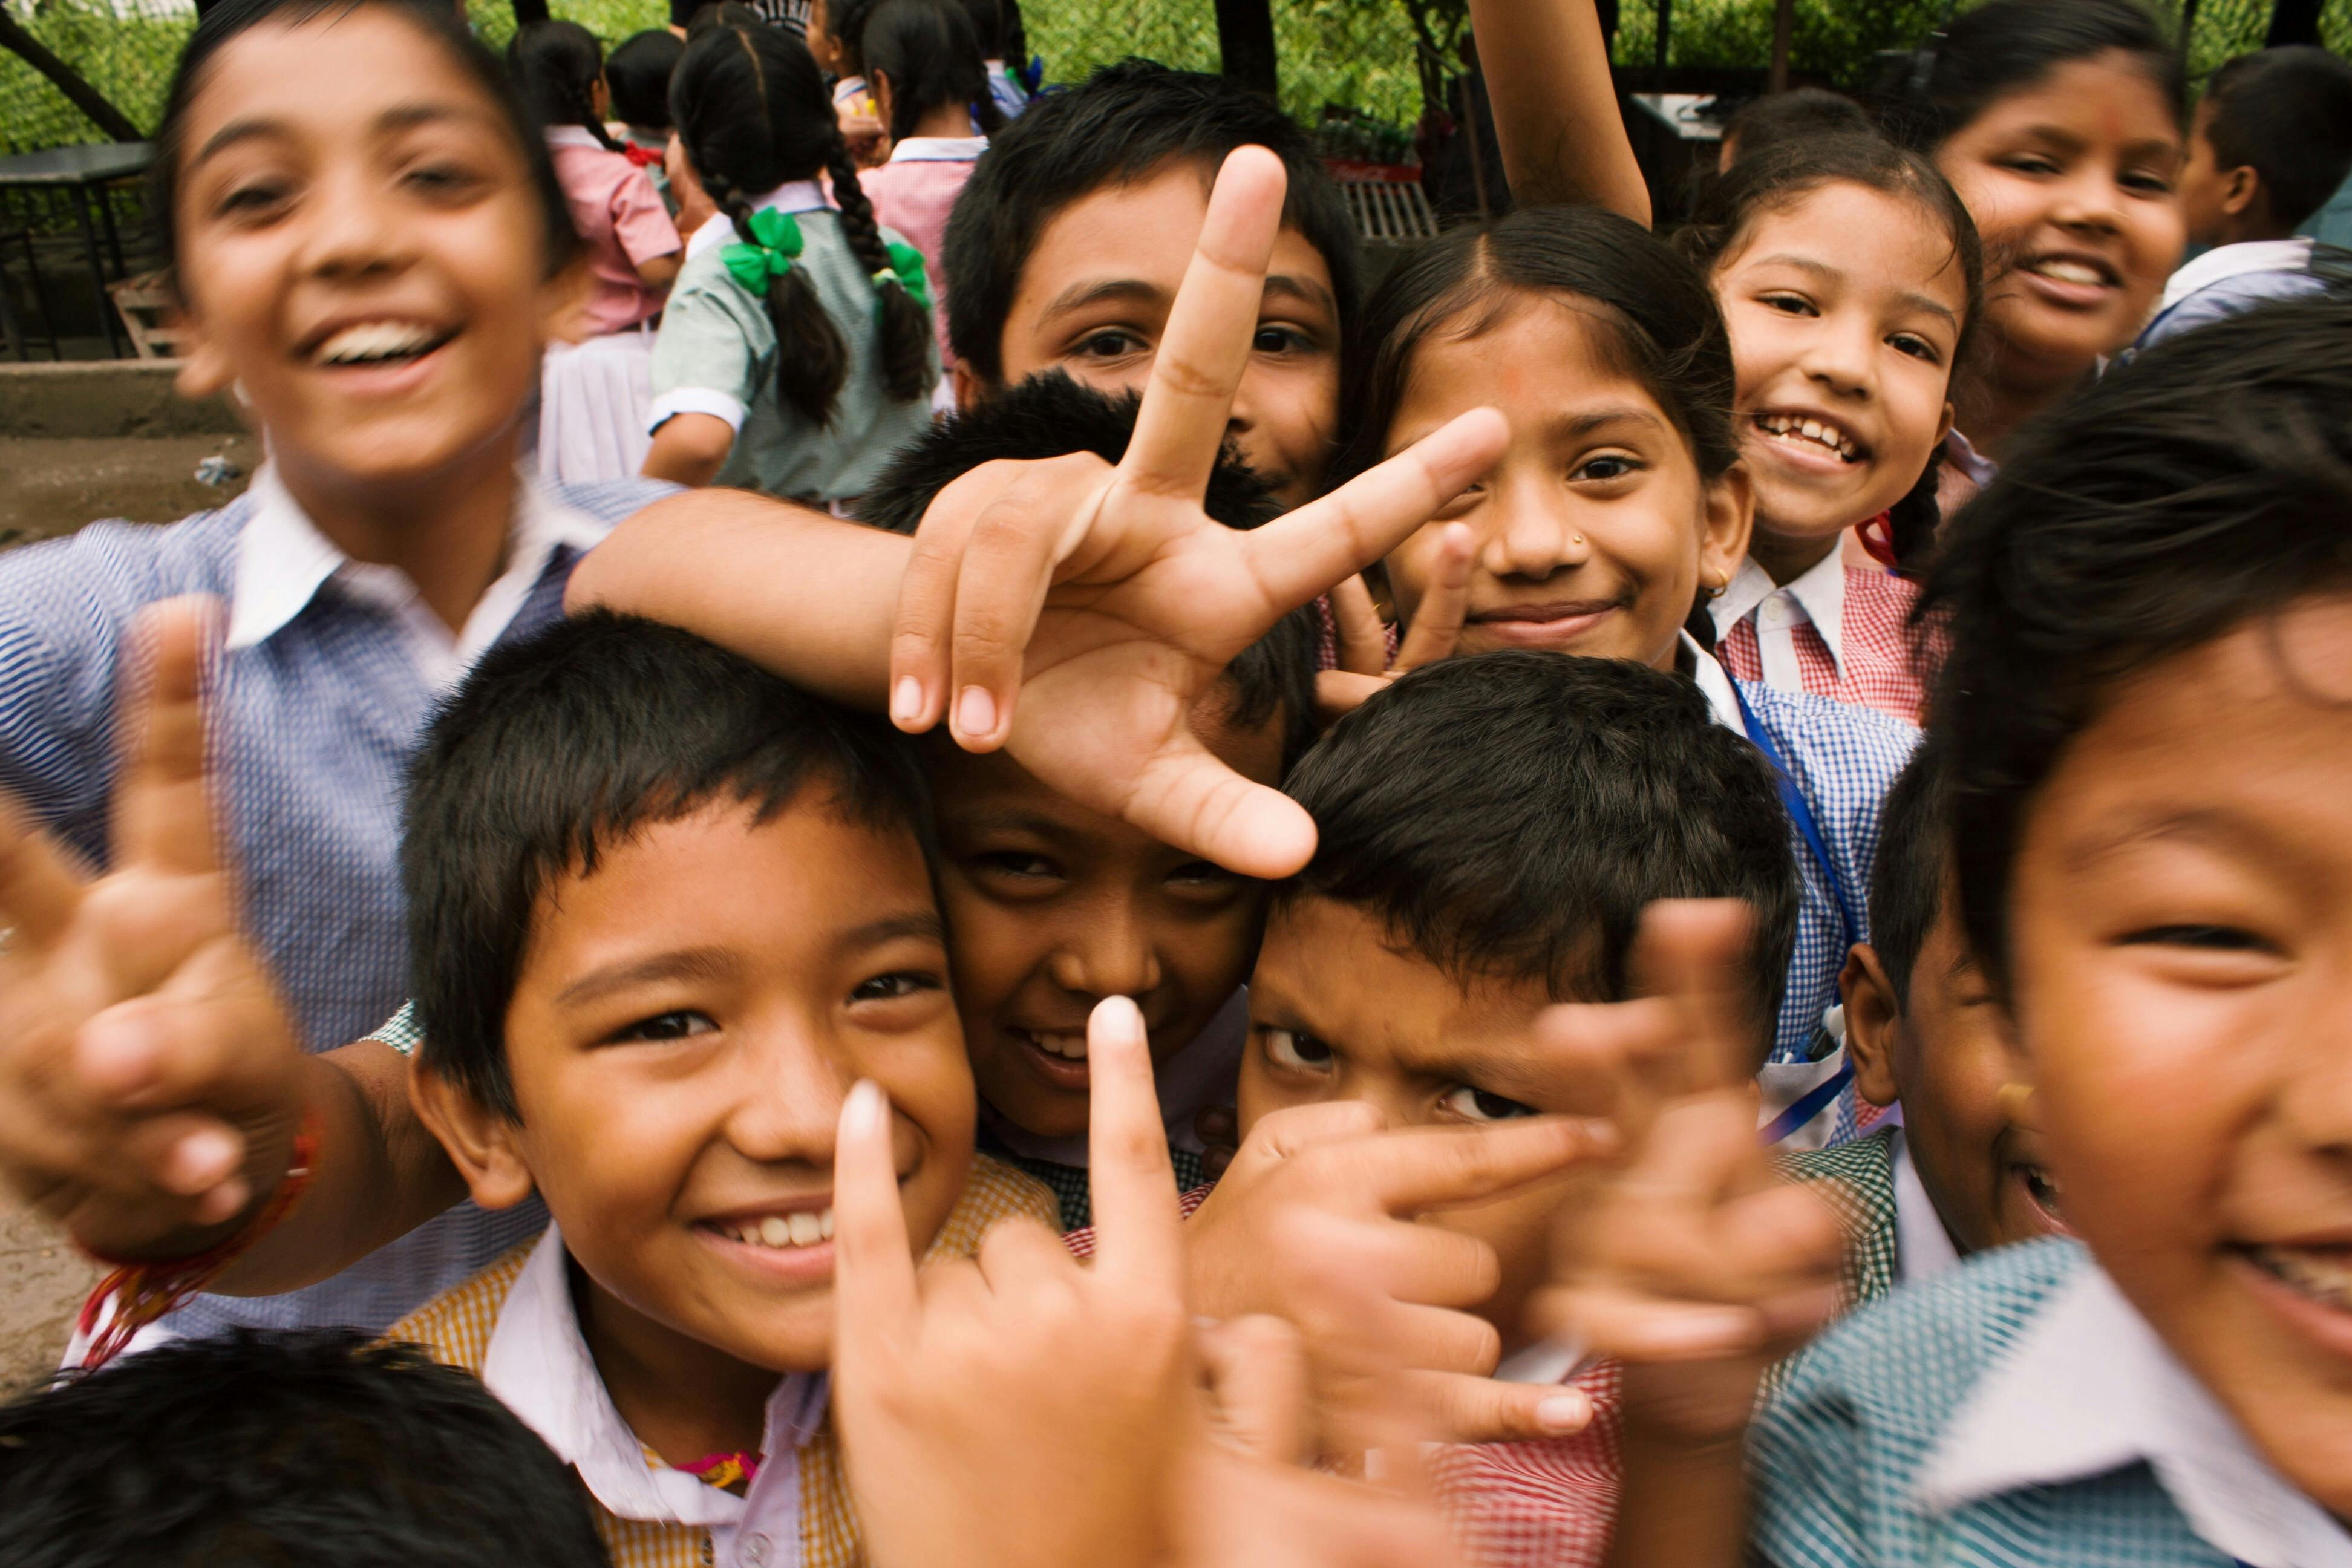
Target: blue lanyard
pixel 1799 812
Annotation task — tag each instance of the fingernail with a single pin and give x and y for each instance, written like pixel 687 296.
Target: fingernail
pixel 907 701
pixel 115 1054
pixel 975 712
pixel 1708 1332
pixel 1564 1412
pixel 869 1110
pixel 203 1159
pixel 1120 1014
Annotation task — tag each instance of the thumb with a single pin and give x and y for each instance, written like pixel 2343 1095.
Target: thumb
pixel 1186 797
pixel 1460 1408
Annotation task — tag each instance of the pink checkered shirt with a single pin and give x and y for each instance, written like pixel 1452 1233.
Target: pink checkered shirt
pixel 1876 670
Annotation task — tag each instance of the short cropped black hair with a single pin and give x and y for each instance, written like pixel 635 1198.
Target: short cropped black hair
pixel 558 747
pixel 2287 114
pixel 1121 123
pixel 637 72
pixel 275 1448
pixel 1906 885
pixel 2206 486
pixel 1511 814
pixel 1049 416
pixel 1799 114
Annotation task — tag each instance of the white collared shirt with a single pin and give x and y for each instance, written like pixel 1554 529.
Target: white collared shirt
pixel 2226 261
pixel 540 1367
pixel 937 148
pixel 791 196
pixel 1714 683
pixel 2089 1388
pixel 282 562
pixel 1923 1248
pixel 1817 594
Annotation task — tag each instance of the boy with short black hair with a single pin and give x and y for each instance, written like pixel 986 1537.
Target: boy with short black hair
pixel 1491 830
pixel 637 75
pixel 1957 1172
pixel 2270 142
pixel 308 1445
pixel 1070 239
pixel 665 904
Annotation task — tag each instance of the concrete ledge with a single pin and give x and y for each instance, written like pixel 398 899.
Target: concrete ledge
pixel 101 399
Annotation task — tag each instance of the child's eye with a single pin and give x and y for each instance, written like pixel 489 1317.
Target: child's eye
pixel 2147 183
pixel 1917 347
pixel 2211 938
pixel 895 985
pixel 680 1025
pixel 1016 863
pixel 1300 1053
pixel 1477 1105
pixel 2028 164
pixel 1200 874
pixel 443 180
pixel 1279 341
pixel 1790 304
pixel 1112 342
pixel 1609 465
pixel 252 199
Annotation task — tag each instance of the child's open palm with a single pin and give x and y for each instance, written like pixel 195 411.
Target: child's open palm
pixel 1074 612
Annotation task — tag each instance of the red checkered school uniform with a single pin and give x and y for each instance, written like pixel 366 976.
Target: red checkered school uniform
pixel 1864 609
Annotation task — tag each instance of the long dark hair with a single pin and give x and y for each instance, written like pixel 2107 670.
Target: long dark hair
pixel 1652 305
pixel 557 66
pixel 223 23
pixel 752 108
pixel 927 50
pixel 2007 47
pixel 1779 177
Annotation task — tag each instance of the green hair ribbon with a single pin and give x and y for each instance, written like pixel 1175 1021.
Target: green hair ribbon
pixel 907 268
pixel 776 245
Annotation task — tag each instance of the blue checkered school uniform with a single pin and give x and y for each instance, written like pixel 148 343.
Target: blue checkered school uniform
pixel 1862 1452
pixel 311 727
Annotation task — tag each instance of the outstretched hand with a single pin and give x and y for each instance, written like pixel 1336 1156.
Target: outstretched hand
pixel 149 1083
pixel 1074 612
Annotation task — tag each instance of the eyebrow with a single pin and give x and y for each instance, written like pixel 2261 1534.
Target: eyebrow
pixel 922 924
pixel 685 964
pixel 1135 291
pixel 1910 300
pixel 402 117
pixel 1010 819
pixel 1599 419
pixel 2194 826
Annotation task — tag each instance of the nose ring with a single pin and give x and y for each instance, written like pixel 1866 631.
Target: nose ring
pixel 1580 539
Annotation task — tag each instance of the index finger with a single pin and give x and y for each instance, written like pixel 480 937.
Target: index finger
pixel 1423 1168
pixel 1206 345
pixel 874 1264
pixel 1139 1234
pixel 161 816
pixel 1688 953
pixel 1437 622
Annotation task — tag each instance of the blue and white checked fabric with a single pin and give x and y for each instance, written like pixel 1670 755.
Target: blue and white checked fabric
pixel 1843 1452
pixel 311 727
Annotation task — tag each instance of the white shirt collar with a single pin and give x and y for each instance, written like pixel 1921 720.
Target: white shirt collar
pixel 540 1367
pixel 282 562
pixel 937 148
pixel 847 88
pixel 1817 594
pixel 1923 1248
pixel 1200 1074
pixel 2089 1388
pixel 1974 466
pixel 1713 684
pixel 791 196
pixel 2236 261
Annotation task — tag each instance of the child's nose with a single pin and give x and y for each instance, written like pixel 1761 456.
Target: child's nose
pixel 348 230
pixel 786 1096
pixel 1107 956
pixel 1527 538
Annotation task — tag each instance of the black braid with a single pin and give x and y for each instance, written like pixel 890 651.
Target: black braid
pixel 811 361
pixel 906 335
pixel 594 126
pixel 557 65
pixel 1912 521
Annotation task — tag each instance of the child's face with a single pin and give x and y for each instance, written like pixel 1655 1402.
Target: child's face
pixel 2205 185
pixel 361 251
pixel 680 1041
pixel 1093 302
pixel 1338 1010
pixel 1943 1054
pixel 1844 313
pixel 1594 530
pixel 2071 185
pixel 1053 908
pixel 822 46
pixel 2181 922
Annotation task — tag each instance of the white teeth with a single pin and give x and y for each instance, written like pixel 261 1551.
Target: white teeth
pixel 375 341
pixel 2325 1275
pixel 1069 1047
pixel 799 1228
pixel 2064 271
pixel 1813 430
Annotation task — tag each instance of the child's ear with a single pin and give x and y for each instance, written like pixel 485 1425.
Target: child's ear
pixel 2238 196
pixel 205 370
pixel 1943 429
pixel 482 1140
pixel 879 84
pixel 1872 1014
pixel 971 392
pixel 1729 513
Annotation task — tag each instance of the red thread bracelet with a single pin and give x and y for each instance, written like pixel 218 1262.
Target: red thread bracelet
pixel 143 1291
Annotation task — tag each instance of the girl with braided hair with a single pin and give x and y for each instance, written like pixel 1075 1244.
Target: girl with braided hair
pixel 796 355
pixel 596 392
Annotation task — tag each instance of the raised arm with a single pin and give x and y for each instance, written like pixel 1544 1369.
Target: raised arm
pixel 1563 140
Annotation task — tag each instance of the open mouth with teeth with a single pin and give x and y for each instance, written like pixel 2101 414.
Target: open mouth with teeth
pixel 378 343
pixel 2320 1274
pixel 2073 271
pixel 1796 430
pixel 2042 1191
pixel 801 1227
